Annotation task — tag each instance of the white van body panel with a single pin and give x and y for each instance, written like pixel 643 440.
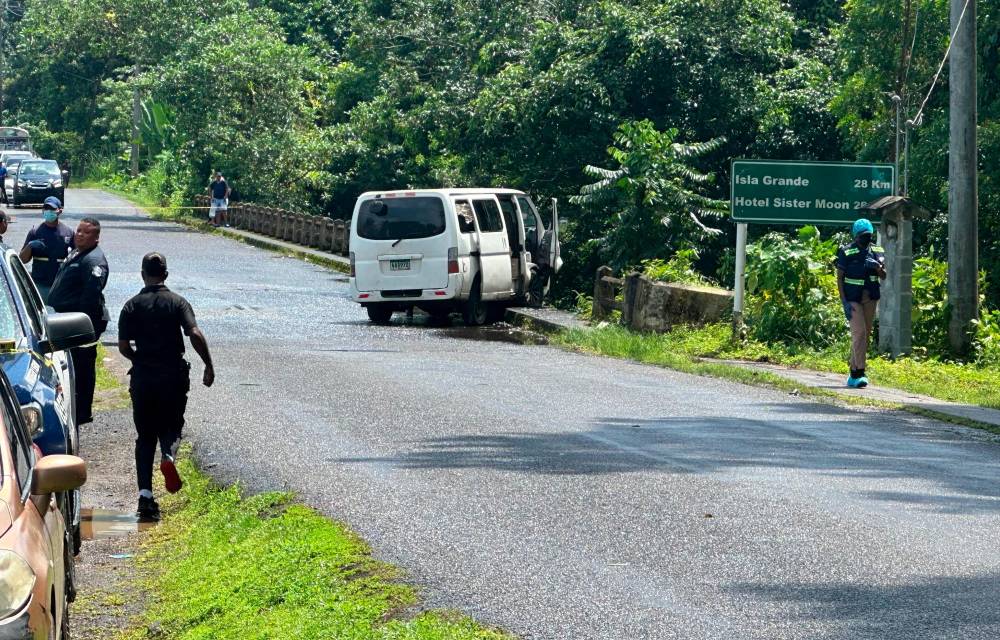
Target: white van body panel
pixel 409 271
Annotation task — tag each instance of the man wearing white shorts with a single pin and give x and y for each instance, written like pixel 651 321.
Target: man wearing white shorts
pixel 220 200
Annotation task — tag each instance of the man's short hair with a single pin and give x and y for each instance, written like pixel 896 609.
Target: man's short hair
pixel 94 222
pixel 154 264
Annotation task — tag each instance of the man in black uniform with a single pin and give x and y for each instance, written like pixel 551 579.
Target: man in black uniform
pixel 79 286
pixel 159 383
pixel 47 246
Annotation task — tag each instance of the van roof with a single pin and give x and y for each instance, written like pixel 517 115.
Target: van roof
pixel 465 191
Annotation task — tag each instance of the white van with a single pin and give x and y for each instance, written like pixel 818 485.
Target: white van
pixel 442 250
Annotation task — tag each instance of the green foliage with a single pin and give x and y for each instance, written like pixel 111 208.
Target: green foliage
pixel 930 305
pixel 792 290
pixel 653 192
pixel 680 269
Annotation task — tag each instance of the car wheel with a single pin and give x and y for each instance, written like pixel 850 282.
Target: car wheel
pixel 379 313
pixel 64 626
pixel 70 567
pixel 475 310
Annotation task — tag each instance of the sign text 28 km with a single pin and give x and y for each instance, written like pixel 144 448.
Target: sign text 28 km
pixel 776 191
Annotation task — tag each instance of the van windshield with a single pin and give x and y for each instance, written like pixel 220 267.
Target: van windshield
pixel 401 218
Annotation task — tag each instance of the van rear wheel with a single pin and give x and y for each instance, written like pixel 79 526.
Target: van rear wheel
pixel 379 313
pixel 475 311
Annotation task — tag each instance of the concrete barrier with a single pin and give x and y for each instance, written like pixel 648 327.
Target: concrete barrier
pixel 658 307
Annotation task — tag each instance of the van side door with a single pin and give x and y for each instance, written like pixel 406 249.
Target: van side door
pixel 494 251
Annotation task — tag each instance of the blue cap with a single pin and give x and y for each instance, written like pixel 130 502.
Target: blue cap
pixel 862 225
pixel 52 202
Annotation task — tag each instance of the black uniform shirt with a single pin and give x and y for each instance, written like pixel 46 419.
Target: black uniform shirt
pixel 59 241
pixel 79 286
pixel 154 319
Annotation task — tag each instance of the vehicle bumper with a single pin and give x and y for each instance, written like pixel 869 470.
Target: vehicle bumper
pixel 35 196
pixel 408 297
pixel 23 627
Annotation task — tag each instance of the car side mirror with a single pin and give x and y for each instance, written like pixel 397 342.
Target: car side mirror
pixel 66 331
pixel 57 473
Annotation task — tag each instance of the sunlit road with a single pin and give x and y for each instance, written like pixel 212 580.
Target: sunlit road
pixel 564 496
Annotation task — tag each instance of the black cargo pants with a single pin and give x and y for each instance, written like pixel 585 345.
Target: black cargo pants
pixel 85 368
pixel 159 400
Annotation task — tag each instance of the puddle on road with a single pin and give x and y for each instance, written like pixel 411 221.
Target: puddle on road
pixel 101 524
pixel 494 333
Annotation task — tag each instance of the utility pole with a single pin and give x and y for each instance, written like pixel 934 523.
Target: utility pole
pixel 963 199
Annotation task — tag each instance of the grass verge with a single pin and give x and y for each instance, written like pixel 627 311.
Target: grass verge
pixel 109 391
pixel 683 349
pixel 225 566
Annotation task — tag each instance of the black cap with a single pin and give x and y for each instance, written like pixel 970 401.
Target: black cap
pixel 154 264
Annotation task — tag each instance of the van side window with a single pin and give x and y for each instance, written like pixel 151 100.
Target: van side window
pixel 488 216
pixel 531 224
pixel 465 221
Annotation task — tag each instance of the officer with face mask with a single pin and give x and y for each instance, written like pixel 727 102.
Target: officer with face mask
pixel 860 268
pixel 47 246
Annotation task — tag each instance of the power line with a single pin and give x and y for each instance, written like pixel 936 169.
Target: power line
pixel 951 41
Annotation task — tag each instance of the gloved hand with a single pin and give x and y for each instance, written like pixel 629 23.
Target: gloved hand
pixel 36 245
pixel 847 309
pixel 872 264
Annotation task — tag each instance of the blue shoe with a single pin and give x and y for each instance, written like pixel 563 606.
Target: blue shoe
pixel 855 383
pixel 862 382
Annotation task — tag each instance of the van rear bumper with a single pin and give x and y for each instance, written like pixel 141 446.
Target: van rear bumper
pixel 409 296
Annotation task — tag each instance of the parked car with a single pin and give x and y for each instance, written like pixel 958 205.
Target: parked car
pixel 9 156
pixel 37 180
pixel 34 356
pixel 36 559
pixel 444 250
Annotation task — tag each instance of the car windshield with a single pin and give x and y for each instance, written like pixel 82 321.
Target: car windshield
pixel 10 326
pixel 401 218
pixel 44 168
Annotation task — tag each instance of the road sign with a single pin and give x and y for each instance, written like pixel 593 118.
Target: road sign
pixel 778 191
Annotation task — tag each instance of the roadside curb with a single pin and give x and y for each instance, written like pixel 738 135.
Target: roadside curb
pixel 330 260
pixel 818 384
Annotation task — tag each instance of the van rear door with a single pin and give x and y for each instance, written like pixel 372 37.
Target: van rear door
pixel 402 244
pixel 494 252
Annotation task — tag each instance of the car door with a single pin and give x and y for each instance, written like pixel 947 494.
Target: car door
pixel 494 252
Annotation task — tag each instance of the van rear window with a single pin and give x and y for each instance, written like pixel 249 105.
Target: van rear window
pixel 401 218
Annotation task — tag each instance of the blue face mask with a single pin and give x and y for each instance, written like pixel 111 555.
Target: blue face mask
pixel 49 215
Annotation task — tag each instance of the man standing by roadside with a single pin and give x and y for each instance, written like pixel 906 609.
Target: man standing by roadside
pixel 860 267
pixel 79 286
pixel 220 200
pixel 159 378
pixel 47 246
pixel 3 183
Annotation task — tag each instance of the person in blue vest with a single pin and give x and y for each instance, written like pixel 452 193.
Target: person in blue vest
pixel 860 270
pixel 47 246
pixel 3 183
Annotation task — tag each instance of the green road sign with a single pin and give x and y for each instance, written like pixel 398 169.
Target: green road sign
pixel 776 191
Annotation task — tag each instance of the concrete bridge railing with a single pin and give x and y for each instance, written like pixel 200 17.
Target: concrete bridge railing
pixel 317 232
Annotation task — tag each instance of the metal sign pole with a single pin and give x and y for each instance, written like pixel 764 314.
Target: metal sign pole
pixel 738 286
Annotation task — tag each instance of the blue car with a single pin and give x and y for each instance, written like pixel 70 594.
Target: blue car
pixel 34 354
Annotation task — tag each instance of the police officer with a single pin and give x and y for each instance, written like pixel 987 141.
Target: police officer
pixel 47 246
pixel 79 286
pixel 3 183
pixel 154 320
pixel 860 267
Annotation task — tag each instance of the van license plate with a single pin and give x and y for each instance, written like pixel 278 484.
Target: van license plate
pixel 399 265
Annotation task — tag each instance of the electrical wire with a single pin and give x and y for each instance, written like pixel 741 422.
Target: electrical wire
pixel 920 112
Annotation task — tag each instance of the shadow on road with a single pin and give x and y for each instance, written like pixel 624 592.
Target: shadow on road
pixel 962 470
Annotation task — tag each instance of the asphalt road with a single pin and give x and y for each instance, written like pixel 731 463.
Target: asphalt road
pixel 564 496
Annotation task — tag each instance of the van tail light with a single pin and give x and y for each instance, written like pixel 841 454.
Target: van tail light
pixel 353 270
pixel 453 260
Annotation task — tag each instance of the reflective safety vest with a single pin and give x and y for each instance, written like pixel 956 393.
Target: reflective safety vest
pixel 859 276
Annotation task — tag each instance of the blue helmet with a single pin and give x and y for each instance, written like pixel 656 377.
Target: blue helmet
pixel 52 202
pixel 861 225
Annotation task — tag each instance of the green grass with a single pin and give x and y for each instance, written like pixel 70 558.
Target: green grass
pixel 682 348
pixel 224 566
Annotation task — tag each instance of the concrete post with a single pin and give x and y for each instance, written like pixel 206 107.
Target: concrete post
pixel 895 319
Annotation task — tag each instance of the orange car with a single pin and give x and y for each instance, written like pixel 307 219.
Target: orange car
pixel 36 558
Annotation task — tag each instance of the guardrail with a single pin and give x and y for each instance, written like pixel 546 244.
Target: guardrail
pixel 647 305
pixel 318 232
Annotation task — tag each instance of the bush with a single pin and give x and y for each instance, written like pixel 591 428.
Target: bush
pixel 792 290
pixel 679 269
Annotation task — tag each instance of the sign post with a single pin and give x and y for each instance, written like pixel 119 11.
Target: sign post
pixel 791 192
